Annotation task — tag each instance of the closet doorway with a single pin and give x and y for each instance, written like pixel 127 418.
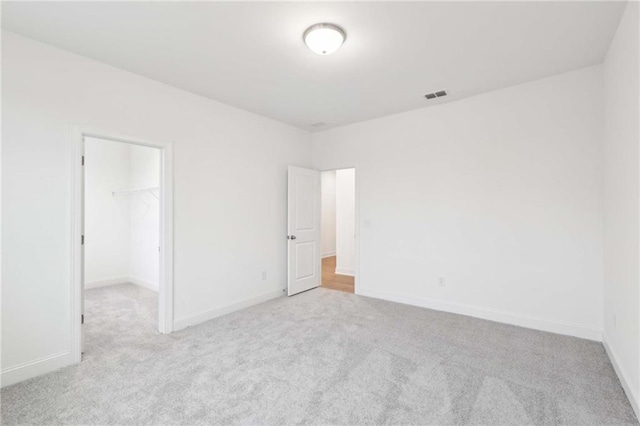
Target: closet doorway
pixel 338 230
pixel 122 286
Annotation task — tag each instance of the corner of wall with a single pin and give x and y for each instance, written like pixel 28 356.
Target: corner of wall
pixel 621 152
pixel 632 394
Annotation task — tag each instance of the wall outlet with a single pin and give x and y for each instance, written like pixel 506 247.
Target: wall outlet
pixel 367 223
pixel 441 282
pixel 264 275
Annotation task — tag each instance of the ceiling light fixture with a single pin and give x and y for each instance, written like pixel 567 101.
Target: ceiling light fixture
pixel 324 39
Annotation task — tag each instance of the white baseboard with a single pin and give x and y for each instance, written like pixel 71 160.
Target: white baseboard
pixel 143 283
pixel 122 280
pixel 346 271
pixel 34 368
pixel 331 254
pixel 202 316
pixel 632 395
pixel 542 324
pixel 107 282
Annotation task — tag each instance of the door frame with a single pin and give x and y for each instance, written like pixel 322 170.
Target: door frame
pixel 356 278
pixel 165 291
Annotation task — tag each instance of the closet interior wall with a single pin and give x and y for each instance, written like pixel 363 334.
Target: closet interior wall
pixel 122 214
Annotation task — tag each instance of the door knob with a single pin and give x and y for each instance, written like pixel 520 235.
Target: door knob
pixel 292 237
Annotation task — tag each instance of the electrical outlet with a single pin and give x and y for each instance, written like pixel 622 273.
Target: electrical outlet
pixel 441 282
pixel 264 275
pixel 367 223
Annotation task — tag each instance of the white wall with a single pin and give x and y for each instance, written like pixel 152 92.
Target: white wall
pixel 345 221
pixel 500 194
pixel 622 203
pixel 328 224
pixel 107 218
pixel 144 240
pixel 228 165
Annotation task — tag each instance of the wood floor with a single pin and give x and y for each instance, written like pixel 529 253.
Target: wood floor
pixel 333 281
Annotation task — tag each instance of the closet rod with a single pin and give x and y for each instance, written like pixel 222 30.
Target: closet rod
pixel 137 191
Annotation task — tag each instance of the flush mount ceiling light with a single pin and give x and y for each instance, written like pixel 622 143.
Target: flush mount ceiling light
pixel 324 39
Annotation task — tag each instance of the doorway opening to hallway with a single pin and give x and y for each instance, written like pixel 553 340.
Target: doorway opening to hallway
pixel 338 237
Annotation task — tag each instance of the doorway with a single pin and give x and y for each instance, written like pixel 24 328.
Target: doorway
pixel 338 230
pixel 122 243
pixel 122 284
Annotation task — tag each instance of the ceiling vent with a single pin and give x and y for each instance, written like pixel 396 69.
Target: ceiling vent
pixel 438 94
pixel 319 125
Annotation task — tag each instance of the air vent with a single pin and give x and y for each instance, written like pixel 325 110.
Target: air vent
pixel 438 94
pixel 319 125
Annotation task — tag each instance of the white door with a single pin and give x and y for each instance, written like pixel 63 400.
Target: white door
pixel 304 230
pixel 82 209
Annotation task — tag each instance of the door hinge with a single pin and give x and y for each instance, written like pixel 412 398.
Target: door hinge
pixel 82 319
pixel 83 160
pixel 82 240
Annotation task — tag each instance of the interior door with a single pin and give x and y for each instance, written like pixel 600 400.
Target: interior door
pixel 303 230
pixel 82 245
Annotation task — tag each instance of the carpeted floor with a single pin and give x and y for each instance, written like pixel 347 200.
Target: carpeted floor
pixel 322 357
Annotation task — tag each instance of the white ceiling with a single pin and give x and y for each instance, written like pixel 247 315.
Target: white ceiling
pixel 251 55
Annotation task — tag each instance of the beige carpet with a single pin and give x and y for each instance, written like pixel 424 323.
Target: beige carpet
pixel 321 357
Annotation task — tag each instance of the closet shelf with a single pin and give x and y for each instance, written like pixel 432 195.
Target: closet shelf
pixel 138 191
